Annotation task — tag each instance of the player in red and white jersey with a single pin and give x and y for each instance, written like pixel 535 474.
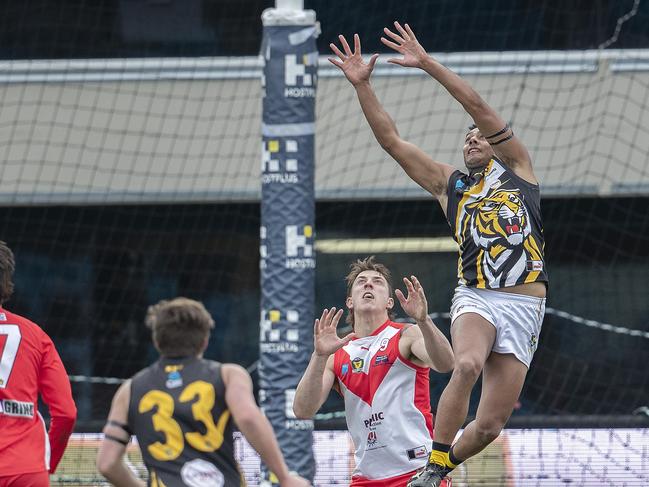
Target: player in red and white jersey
pixel 29 366
pixel 382 371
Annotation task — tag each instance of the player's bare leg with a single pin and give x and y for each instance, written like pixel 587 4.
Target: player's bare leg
pixel 502 382
pixel 472 338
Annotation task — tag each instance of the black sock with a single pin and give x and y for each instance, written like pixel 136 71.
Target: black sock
pixel 453 459
pixel 441 447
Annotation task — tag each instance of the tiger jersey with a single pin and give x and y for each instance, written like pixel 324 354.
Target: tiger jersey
pixel 29 366
pixel 495 217
pixel 387 404
pixel 178 412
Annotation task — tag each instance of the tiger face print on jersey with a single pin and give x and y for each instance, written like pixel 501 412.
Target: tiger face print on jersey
pixel 496 221
pixel 499 225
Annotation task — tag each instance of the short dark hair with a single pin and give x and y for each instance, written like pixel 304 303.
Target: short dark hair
pixel 367 264
pixel 179 326
pixel 7 268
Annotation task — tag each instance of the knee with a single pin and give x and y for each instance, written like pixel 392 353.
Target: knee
pixel 467 369
pixel 488 429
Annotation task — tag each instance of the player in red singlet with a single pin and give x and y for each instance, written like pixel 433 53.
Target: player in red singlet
pixel 29 366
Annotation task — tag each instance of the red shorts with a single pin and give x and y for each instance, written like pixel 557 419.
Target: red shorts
pixel 399 481
pixel 38 479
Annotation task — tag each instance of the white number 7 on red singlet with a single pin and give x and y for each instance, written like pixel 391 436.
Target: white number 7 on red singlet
pixel 9 352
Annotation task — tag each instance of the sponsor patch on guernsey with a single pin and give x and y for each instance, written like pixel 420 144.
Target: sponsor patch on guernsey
pixel 199 473
pixel 174 380
pixel 534 265
pixel 18 409
pixel 418 452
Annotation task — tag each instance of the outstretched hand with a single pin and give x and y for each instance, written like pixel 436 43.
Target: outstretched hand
pixel 325 338
pixel 405 43
pixel 351 63
pixel 415 303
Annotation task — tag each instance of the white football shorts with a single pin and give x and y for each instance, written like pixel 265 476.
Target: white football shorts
pixel 516 317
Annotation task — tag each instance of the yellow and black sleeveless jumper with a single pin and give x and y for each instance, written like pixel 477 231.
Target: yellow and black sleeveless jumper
pixel 495 217
pixel 178 412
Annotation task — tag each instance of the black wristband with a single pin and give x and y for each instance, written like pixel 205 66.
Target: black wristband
pixel 115 438
pixel 120 425
pixel 504 139
pixel 504 129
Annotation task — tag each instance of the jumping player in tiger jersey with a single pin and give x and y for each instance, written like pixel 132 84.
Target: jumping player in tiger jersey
pixel 181 410
pixel 494 213
pixel 29 366
pixel 381 370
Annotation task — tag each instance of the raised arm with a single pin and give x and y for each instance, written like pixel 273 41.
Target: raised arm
pixel 424 342
pixel 254 425
pixel 319 377
pixel 507 147
pixel 429 174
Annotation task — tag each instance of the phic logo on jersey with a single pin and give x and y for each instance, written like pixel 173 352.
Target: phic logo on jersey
pixel 357 364
pixel 374 420
pixel 344 369
pixel 3 317
pixel 199 473
pixel 17 409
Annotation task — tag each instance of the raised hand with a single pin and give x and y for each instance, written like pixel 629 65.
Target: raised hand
pixel 325 338
pixel 351 63
pixel 415 303
pixel 405 43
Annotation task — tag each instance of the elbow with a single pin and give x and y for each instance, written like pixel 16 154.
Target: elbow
pixel 449 363
pixel 105 466
pixel 446 368
pixel 302 409
pixel 446 363
pixel 248 419
pixel 301 412
pixel 70 418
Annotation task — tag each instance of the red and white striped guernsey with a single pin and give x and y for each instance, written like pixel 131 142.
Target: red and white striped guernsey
pixel 387 404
